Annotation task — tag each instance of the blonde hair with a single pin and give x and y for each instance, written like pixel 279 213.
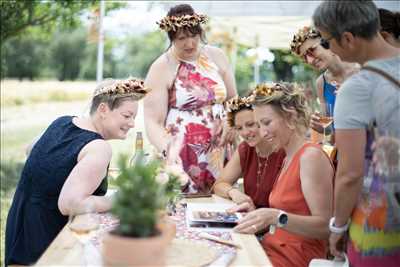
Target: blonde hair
pixel 286 98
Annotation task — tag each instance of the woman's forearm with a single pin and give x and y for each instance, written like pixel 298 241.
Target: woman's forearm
pixel 308 226
pixel 102 203
pixel 87 205
pixel 347 191
pixel 222 189
pixel 157 135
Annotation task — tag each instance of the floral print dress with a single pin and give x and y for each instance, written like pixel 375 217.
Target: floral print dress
pixel 195 116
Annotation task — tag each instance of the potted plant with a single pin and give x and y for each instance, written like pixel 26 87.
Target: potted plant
pixel 142 235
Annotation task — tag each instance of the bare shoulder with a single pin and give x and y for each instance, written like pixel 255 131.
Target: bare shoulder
pixel 314 163
pixel 98 147
pixel 161 62
pixel 218 56
pixel 312 155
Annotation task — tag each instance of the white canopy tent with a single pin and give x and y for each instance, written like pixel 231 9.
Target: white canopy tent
pixel 259 24
pixel 273 23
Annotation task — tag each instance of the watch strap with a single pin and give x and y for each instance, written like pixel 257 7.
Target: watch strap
pixel 336 229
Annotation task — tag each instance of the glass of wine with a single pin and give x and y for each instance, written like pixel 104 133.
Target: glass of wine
pixel 326 118
pixel 83 223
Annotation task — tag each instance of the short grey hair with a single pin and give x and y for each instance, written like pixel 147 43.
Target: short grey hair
pixel 359 17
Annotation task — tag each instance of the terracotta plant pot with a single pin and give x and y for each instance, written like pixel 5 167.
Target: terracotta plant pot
pixel 128 251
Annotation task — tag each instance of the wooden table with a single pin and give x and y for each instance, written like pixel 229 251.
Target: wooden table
pixel 66 249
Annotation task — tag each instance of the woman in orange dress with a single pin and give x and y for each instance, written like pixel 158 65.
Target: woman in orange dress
pixel 301 198
pixel 255 159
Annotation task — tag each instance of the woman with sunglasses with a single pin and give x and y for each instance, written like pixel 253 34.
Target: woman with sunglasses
pixel 308 44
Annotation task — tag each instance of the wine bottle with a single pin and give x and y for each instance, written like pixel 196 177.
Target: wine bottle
pixel 138 148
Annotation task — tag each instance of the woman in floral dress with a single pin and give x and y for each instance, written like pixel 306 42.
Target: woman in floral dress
pixel 190 82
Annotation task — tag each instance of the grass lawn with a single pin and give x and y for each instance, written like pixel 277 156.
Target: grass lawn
pixel 27 108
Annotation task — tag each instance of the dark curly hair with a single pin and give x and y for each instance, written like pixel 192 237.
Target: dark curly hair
pixel 180 10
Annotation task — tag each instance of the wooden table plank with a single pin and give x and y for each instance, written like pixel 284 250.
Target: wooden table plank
pixel 66 250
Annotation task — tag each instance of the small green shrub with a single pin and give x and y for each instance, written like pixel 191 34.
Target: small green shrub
pixel 140 196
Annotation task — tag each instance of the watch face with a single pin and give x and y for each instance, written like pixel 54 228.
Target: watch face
pixel 283 219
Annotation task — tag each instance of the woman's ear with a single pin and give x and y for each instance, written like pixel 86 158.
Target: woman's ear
pixel 102 109
pixel 291 125
pixel 291 119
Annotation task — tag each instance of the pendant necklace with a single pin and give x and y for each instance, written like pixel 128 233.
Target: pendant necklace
pixel 261 167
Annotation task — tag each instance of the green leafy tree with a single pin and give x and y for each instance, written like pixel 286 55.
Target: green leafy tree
pixel 23 57
pixel 67 52
pixel 27 27
pixel 18 15
pixel 89 61
pixel 140 52
pixel 243 71
pixel 282 64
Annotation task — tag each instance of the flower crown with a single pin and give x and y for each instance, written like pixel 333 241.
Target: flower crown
pixel 237 103
pixel 267 89
pixel 174 22
pixel 129 87
pixel 301 36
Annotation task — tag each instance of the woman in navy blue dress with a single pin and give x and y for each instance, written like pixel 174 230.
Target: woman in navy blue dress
pixel 66 170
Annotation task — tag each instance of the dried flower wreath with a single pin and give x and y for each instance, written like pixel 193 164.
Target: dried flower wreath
pixel 173 23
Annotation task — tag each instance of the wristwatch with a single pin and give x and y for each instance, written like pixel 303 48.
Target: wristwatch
pixel 338 230
pixel 282 219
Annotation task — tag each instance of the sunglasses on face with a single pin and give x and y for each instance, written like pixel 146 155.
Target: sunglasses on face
pixel 325 42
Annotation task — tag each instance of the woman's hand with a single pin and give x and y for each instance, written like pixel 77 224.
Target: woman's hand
pixel 337 244
pixel 228 135
pixel 315 123
pixel 244 207
pixel 178 171
pixel 239 197
pixel 173 148
pixel 257 220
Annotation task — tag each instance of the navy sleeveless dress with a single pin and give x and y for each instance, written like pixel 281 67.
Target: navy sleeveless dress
pixel 34 219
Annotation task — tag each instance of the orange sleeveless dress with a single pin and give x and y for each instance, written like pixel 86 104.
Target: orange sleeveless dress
pixel 285 248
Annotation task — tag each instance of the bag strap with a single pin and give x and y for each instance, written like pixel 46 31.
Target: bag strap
pixel 383 74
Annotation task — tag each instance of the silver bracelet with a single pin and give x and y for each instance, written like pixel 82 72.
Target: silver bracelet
pixel 338 230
